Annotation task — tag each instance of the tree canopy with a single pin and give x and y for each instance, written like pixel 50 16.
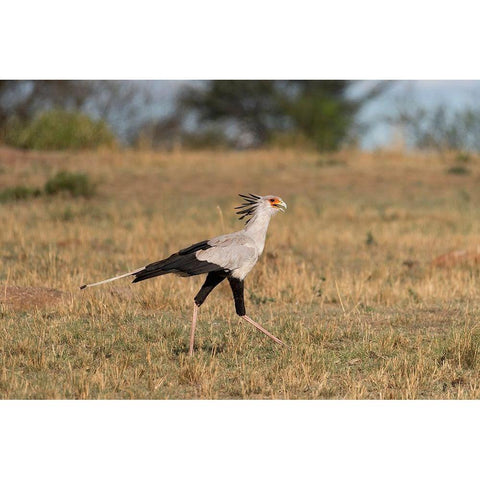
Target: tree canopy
pixel 208 113
pixel 321 110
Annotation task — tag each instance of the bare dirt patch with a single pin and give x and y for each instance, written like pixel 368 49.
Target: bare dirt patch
pixel 458 257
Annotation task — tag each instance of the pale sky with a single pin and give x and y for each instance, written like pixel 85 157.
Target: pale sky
pixel 456 94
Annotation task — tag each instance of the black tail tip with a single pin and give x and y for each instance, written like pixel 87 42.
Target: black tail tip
pixel 83 286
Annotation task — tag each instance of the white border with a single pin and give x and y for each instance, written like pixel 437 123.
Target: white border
pixel 150 39
pixel 238 439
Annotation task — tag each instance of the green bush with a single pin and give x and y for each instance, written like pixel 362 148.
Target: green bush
pixel 77 184
pixel 18 192
pixel 463 157
pixel 59 130
pixel 458 170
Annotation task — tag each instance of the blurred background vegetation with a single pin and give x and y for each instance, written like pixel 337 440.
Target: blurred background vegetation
pixel 324 115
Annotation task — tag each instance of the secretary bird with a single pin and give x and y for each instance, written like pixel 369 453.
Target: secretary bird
pixel 230 256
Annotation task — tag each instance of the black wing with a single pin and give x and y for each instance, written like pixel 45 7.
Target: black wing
pixel 183 263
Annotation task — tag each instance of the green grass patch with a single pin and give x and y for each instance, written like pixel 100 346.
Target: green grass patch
pixel 19 192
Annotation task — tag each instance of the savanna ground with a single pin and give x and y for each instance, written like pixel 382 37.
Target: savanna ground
pixel 346 280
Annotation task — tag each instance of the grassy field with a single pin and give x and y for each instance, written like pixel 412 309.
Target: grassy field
pixel 346 280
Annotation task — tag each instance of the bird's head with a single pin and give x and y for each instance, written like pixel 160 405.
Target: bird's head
pixel 274 204
pixel 253 204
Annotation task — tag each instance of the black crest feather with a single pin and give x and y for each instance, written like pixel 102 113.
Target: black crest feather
pixel 248 206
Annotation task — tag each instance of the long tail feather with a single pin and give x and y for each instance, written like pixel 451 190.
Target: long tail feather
pixel 112 279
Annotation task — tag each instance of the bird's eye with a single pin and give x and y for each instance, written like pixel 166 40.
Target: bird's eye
pixel 272 200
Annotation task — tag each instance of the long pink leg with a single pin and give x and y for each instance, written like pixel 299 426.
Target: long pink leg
pixel 192 331
pixel 259 327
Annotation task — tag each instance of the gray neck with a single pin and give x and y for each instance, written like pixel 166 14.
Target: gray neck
pixel 257 229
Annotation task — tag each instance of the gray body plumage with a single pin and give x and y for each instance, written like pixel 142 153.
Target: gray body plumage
pixel 236 253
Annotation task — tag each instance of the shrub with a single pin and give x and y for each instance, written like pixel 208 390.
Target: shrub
pixel 330 162
pixel 18 192
pixel 463 157
pixel 77 184
pixel 458 170
pixel 59 130
pixel 370 239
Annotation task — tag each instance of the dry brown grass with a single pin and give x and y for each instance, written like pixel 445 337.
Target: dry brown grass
pixel 346 279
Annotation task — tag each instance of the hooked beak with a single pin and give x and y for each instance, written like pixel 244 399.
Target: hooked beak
pixel 281 205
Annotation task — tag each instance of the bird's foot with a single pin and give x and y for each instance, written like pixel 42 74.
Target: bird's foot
pixel 266 332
